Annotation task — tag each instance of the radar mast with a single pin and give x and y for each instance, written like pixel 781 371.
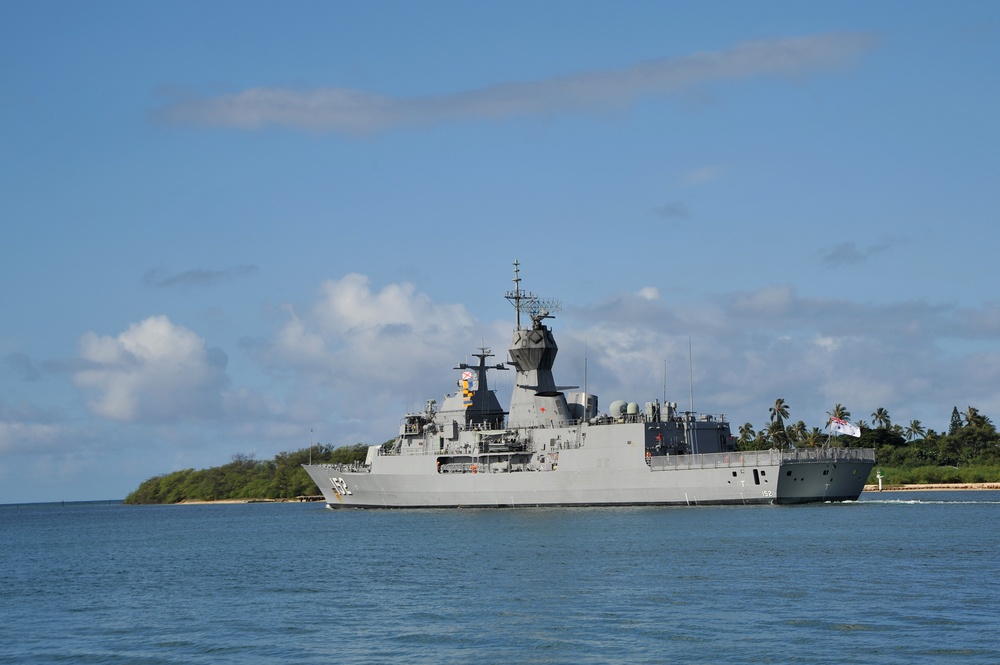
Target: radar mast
pixel 529 303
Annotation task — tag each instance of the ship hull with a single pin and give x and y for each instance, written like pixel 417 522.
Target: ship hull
pixel 768 477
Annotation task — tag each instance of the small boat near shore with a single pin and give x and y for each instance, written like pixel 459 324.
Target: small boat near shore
pixel 552 447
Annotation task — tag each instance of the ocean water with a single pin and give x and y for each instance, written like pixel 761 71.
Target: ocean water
pixel 893 578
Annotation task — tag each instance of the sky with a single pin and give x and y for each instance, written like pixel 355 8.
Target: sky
pixel 245 227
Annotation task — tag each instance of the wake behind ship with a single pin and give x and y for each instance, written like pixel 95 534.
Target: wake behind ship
pixel 553 448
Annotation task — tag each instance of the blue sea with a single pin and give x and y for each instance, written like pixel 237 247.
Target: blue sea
pixel 896 577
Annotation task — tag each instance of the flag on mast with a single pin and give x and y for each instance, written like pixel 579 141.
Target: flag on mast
pixel 467 389
pixel 841 426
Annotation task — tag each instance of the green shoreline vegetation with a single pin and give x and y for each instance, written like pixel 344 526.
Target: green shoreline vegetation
pixel 246 477
pixel 968 453
pixel 905 455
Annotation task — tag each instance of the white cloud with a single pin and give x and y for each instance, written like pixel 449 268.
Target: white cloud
pixel 363 352
pixel 27 437
pixel 349 306
pixel 156 371
pixel 649 293
pixel 768 301
pixel 358 111
pixel 827 343
pixel 362 334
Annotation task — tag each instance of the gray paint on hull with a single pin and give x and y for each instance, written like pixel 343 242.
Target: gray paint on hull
pixel 783 483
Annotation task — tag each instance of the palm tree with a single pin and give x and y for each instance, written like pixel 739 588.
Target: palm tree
pixel 797 431
pixel 747 433
pixel 778 414
pixel 776 433
pixel 839 411
pixel 779 410
pixel 881 418
pixel 812 437
pixel 915 430
pixel 973 417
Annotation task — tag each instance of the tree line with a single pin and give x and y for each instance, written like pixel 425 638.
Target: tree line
pixel 968 452
pixel 246 477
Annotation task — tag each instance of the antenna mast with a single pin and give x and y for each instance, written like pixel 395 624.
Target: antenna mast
pixel 691 374
pixel 529 303
pixel 664 383
pixel 515 296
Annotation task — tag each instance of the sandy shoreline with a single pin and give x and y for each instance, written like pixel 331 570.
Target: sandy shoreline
pixel 934 486
pixel 201 502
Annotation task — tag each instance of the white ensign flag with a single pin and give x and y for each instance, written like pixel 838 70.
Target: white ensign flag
pixel 843 427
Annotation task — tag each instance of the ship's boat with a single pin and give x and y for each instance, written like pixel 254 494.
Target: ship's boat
pixel 553 447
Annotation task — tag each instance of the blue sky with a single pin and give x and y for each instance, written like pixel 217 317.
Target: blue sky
pixel 238 227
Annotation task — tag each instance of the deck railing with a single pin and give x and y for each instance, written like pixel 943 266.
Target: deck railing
pixel 353 466
pixel 831 454
pixel 752 458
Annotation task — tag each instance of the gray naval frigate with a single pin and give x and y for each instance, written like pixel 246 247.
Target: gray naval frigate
pixel 553 448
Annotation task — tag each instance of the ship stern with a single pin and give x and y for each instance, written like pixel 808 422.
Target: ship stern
pixel 835 474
